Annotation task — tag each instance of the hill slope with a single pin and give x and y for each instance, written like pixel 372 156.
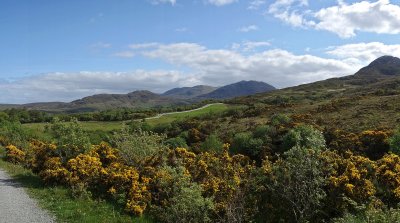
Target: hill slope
pixel 357 102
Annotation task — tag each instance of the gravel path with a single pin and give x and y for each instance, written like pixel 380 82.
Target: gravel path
pixel 172 113
pixel 16 206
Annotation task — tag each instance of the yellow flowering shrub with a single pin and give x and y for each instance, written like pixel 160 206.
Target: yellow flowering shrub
pixel 14 155
pixel 54 172
pixel 122 179
pixel 388 175
pixel 37 154
pixel 85 169
pixel 106 153
pixel 219 175
pixel 138 196
pixel 351 177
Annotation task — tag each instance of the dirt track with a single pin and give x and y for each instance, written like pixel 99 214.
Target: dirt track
pixel 16 206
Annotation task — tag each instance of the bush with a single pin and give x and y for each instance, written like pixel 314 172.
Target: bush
pixel 212 143
pixel 14 155
pixel 371 216
pixel 70 138
pixel 137 145
pixel 394 142
pixel 177 142
pixel 245 144
pixel 183 201
pixel 304 136
pixel 12 133
pixel 295 185
pixel 374 143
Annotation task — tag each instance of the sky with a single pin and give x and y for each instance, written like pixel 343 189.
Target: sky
pixel 67 49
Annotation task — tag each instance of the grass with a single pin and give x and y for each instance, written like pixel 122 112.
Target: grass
pixel 59 202
pixel 210 110
pixel 88 126
pixel 92 126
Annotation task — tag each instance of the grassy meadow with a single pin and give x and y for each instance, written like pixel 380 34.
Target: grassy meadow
pixel 112 126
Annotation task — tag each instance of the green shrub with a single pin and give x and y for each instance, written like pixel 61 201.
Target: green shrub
pixel 304 136
pixel 394 142
pixel 177 142
pixel 137 145
pixel 212 143
pixel 371 216
pixel 183 199
pixel 70 138
pixel 244 143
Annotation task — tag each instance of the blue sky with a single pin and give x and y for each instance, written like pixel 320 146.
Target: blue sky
pixel 64 50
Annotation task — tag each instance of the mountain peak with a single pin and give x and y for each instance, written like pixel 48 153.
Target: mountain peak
pixel 385 65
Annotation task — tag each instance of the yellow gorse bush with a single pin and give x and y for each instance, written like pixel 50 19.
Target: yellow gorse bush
pixel 14 155
pixel 388 174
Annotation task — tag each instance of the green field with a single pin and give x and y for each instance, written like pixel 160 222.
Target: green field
pixel 111 126
pixel 210 110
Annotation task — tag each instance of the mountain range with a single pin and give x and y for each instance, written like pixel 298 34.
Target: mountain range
pixel 381 75
pixel 148 99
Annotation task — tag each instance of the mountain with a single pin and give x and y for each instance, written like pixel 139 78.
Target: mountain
pixel 148 99
pixel 383 66
pixel 136 99
pixel 189 92
pixel 242 88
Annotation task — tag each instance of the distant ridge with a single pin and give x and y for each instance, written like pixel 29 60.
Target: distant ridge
pixel 189 92
pixel 148 99
pixel 242 88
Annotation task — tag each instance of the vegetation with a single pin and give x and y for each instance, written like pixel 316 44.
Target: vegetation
pixel 60 202
pixel 322 152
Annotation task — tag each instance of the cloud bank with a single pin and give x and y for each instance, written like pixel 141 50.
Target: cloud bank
pixel 196 64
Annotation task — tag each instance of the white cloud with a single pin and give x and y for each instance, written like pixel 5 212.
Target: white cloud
pixel 157 2
pixel 221 2
pixel 181 30
pixel 363 53
pixel 249 28
pixel 289 12
pixel 143 45
pixel 124 54
pixel 248 46
pixel 71 86
pixel 343 19
pixel 278 67
pixel 256 4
